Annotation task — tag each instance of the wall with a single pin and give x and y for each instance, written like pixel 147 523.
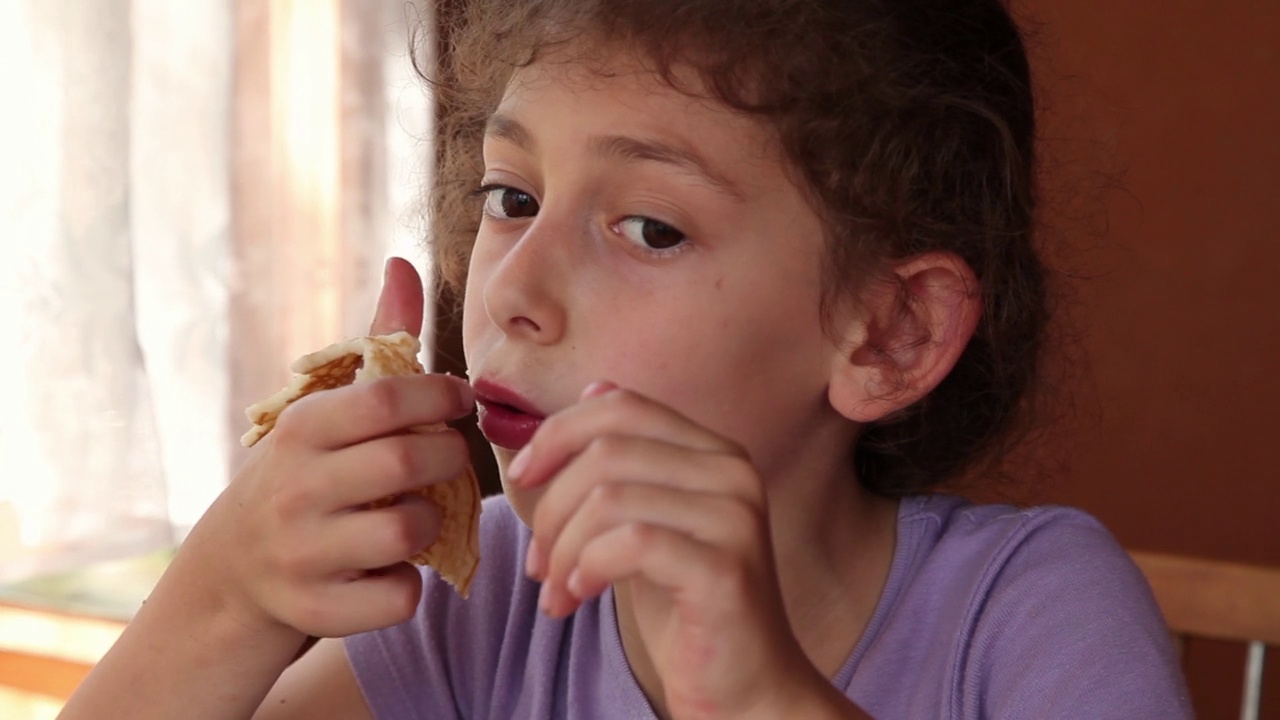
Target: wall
pixel 1173 445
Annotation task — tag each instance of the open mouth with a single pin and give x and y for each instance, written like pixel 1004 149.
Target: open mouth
pixel 505 418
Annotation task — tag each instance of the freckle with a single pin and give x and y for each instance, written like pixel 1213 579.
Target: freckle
pixel 719 283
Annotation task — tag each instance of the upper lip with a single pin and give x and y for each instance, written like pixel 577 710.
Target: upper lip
pixel 488 391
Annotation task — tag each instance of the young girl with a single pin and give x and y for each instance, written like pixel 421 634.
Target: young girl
pixel 749 278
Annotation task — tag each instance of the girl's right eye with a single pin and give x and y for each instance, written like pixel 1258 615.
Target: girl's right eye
pixel 504 203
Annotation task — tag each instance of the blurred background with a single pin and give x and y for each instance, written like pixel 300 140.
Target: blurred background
pixel 196 193
pixel 1174 110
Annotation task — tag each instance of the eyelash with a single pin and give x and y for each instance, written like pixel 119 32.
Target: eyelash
pixel 484 191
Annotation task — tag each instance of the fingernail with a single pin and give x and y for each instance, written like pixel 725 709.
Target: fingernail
pixel 466 394
pixel 598 387
pixel 519 464
pixel 533 560
pixel 574 583
pixel 386 270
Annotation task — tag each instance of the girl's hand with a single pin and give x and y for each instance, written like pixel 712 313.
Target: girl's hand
pixel 290 542
pixel 639 493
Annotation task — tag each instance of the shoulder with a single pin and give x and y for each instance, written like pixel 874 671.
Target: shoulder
pixel 977 549
pixel 1046 601
pixel 953 522
pixel 996 543
pixel 1035 565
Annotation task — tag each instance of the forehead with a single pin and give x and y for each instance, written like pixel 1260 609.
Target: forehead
pixel 589 87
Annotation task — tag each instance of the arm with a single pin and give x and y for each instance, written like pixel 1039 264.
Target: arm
pixel 320 684
pixel 292 548
pixel 185 654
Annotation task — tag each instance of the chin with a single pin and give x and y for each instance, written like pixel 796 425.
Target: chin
pixel 522 502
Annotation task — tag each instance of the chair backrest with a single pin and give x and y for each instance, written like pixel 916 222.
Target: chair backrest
pixel 54 678
pixel 1223 601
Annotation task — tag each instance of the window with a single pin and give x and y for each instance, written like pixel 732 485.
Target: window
pixel 195 194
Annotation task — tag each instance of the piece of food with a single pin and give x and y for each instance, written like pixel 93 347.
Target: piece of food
pixel 456 553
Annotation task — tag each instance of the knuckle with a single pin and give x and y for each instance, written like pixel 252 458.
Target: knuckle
pixel 590 554
pixel 402 457
pixel 728 574
pixel 618 402
pixel 602 448
pixel 292 560
pixel 402 537
pixel 747 524
pixel 735 449
pixel 607 499
pixel 455 455
pixel 590 562
pixel 288 429
pixel 451 395
pixel 290 502
pixel 382 397
pixel 743 480
pixel 403 598
pixel 312 614
pixel 642 538
pixel 735 512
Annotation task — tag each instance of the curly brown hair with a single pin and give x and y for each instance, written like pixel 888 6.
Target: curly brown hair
pixel 910 122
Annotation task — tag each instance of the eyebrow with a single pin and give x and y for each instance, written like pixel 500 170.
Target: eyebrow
pixel 624 148
pixel 505 128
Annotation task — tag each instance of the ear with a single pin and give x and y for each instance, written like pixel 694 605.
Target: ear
pixel 907 333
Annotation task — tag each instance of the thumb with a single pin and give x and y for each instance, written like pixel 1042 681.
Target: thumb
pixel 401 302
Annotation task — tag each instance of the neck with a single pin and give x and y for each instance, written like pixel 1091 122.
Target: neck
pixel 833 545
pixel 832 576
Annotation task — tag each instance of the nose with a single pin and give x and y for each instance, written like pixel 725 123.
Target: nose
pixel 524 295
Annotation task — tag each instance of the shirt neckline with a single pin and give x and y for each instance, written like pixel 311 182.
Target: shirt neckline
pixel 905 542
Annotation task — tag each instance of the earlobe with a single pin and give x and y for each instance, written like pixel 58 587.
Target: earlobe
pixel 911 328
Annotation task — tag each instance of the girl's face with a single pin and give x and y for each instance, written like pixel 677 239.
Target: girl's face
pixel 634 234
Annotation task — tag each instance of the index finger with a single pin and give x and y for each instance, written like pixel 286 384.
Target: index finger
pixel 606 410
pixel 345 416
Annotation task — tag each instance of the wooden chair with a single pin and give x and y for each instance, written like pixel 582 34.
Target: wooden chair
pixel 48 676
pixel 1223 601
pixel 47 653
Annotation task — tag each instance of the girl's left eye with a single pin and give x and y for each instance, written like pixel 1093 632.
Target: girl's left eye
pixel 650 234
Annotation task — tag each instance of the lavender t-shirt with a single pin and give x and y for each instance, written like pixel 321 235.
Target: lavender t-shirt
pixel 989 611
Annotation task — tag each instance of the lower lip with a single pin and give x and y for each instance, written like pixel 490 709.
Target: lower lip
pixel 506 427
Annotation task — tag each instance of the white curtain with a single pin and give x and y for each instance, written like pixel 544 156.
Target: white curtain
pixel 118 264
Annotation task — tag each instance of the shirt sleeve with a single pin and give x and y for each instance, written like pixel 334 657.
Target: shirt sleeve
pixel 1069 629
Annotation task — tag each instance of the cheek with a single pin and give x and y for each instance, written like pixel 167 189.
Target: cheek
pixel 739 372
pixel 474 315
